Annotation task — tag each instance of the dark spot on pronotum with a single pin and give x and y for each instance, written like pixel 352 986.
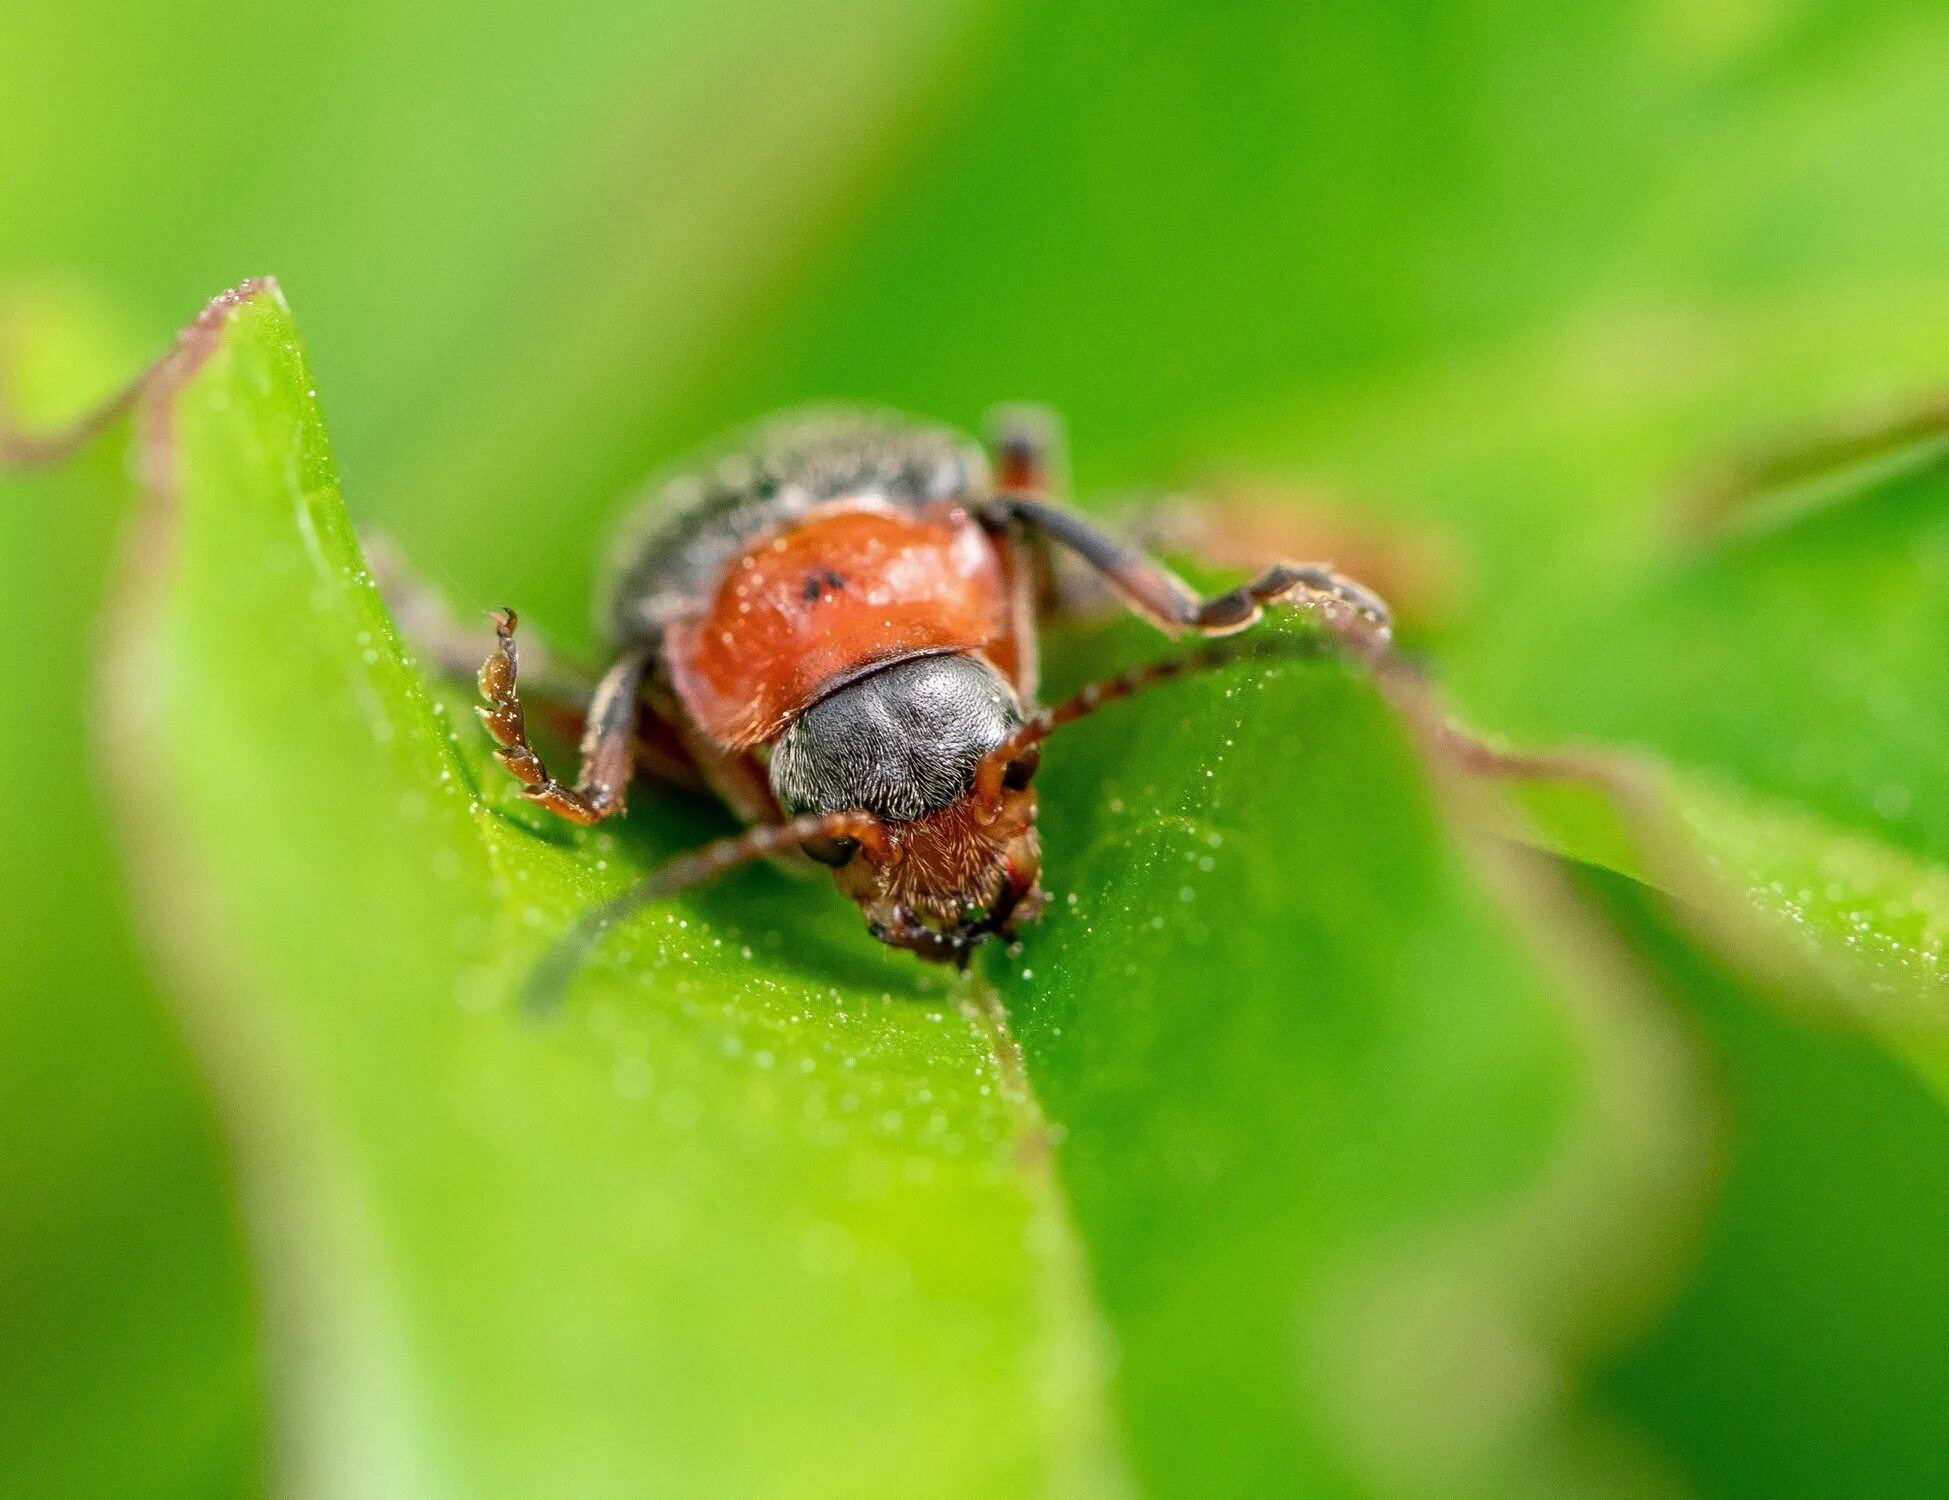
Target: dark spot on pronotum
pixel 810 591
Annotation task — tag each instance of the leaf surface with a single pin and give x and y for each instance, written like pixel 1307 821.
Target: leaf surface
pixel 1365 1162
pixel 695 1243
pixel 771 1209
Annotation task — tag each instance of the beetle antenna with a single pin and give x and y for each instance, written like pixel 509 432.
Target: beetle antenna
pixel 571 950
pixel 1092 696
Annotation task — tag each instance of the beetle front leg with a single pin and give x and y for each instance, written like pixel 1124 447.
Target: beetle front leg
pixel 439 636
pixel 1026 450
pixel 1353 612
pixel 608 748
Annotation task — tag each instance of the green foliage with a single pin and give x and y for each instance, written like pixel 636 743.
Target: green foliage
pixel 1784 675
pixel 1319 1140
pixel 1807 1322
pixel 125 1309
pixel 806 1172
pixel 1362 1152
pixel 326 860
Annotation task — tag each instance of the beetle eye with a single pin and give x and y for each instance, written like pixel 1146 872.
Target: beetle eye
pixel 834 852
pixel 1022 769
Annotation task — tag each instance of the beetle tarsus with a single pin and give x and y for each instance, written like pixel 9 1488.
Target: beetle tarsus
pixel 606 748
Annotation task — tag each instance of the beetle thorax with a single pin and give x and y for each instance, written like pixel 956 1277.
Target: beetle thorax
pixel 902 742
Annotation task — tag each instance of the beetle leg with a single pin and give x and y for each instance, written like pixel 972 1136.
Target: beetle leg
pixel 1026 450
pixel 608 738
pixel 559 964
pixel 1353 612
pixel 439 636
pixel 1241 524
pixel 735 777
pixel 557 691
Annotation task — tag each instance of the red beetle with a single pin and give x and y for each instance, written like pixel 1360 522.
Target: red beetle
pixel 832 625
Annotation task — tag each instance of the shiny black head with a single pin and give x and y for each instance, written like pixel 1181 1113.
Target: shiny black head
pixel 901 742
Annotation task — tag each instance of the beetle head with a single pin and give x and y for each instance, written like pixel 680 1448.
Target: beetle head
pixel 915 744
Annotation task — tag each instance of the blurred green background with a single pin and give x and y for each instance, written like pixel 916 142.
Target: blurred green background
pixel 1497 276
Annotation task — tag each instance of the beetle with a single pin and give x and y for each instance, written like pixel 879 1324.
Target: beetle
pixel 831 623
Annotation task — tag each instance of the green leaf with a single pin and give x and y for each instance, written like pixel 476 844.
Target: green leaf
pixel 748 1221
pixel 524 162
pixel 1505 270
pixel 1365 1162
pixel 124 1309
pixel 774 1210
pixel 1787 678
pixel 1812 1323
pixel 1765 689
